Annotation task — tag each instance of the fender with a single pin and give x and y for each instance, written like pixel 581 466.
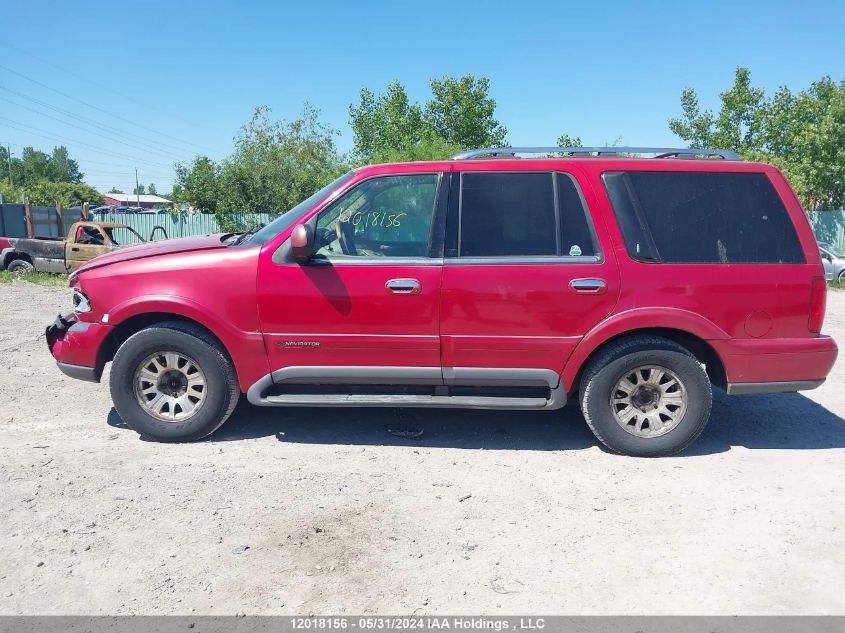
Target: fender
pixel 243 346
pixel 4 253
pixel 638 319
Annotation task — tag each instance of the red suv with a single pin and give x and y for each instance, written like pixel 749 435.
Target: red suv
pixel 486 281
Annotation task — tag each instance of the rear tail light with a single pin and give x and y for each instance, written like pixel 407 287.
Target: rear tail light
pixel 818 299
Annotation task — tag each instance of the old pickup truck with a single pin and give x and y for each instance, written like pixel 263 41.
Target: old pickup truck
pixel 85 241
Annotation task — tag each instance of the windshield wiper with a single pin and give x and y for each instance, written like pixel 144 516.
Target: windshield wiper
pixel 243 237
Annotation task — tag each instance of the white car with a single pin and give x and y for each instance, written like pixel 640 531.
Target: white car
pixel 834 263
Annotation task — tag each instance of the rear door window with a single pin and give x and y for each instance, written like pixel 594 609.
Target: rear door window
pixel 522 214
pixel 702 217
pixel 507 214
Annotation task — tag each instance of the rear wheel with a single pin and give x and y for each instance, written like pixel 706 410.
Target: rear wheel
pixel 841 278
pixel 646 396
pixel 173 382
pixel 20 267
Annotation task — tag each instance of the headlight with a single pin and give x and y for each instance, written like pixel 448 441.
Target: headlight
pixel 80 301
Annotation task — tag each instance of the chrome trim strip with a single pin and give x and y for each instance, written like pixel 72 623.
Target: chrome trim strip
pixel 743 388
pixel 359 375
pixel 500 376
pixel 498 259
pixel 370 261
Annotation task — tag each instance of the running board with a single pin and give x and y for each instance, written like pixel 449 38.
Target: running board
pixel 419 376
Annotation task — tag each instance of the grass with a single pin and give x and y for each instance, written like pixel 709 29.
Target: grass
pixel 41 279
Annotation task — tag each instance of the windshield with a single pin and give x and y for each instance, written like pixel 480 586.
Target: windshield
pixel 288 218
pixel 833 251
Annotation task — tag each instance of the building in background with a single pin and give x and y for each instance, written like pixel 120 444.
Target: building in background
pixel 131 200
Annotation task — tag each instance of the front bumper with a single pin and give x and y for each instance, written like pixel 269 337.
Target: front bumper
pixel 76 346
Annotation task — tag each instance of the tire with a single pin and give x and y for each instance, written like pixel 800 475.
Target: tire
pixel 841 278
pixel 178 357
pixel 20 267
pixel 677 406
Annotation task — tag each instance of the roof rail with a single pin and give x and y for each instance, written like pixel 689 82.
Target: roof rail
pixel 659 152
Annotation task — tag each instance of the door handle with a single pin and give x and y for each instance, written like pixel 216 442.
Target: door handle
pixel 588 286
pixel 403 286
pixel 75 249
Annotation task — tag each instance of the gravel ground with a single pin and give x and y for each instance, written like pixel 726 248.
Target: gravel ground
pixel 324 511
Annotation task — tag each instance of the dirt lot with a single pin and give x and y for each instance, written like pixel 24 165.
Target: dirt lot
pixel 324 511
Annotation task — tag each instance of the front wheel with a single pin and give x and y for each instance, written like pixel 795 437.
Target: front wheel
pixel 841 278
pixel 173 382
pixel 646 396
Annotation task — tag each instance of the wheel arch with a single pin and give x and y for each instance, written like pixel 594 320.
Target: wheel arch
pixel 11 256
pixel 689 330
pixel 138 322
pixel 242 347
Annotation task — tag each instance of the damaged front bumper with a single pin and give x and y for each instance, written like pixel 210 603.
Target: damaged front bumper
pixel 75 345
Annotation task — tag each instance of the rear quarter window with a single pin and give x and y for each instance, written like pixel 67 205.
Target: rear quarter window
pixel 702 217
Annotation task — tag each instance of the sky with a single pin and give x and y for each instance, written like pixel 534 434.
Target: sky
pixel 144 85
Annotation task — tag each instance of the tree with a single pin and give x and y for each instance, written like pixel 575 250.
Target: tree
pixel 387 123
pixel 197 184
pixel 461 112
pixel 62 168
pixel 738 125
pixel 277 164
pixel 564 140
pixel 389 128
pixel 114 190
pixel 803 134
pixel 34 166
pixel 151 189
pixel 66 194
pixel 138 190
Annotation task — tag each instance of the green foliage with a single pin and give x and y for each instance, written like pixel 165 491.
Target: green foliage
pixel 138 190
pixel 564 140
pixel 389 128
pixel 387 123
pixel 114 190
pixel 66 194
pixel 275 165
pixel 803 133
pixel 45 179
pixel 9 193
pixel 35 165
pixel 461 112
pixel 50 194
pixel 197 184
pixel 151 189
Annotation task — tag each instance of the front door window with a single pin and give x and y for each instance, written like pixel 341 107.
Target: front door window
pixel 388 216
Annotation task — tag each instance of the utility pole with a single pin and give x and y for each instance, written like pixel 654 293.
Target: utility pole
pixel 137 188
pixel 9 150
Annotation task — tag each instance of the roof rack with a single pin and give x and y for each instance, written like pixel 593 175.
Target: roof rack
pixel 659 152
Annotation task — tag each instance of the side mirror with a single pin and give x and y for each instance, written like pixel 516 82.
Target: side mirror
pixel 302 243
